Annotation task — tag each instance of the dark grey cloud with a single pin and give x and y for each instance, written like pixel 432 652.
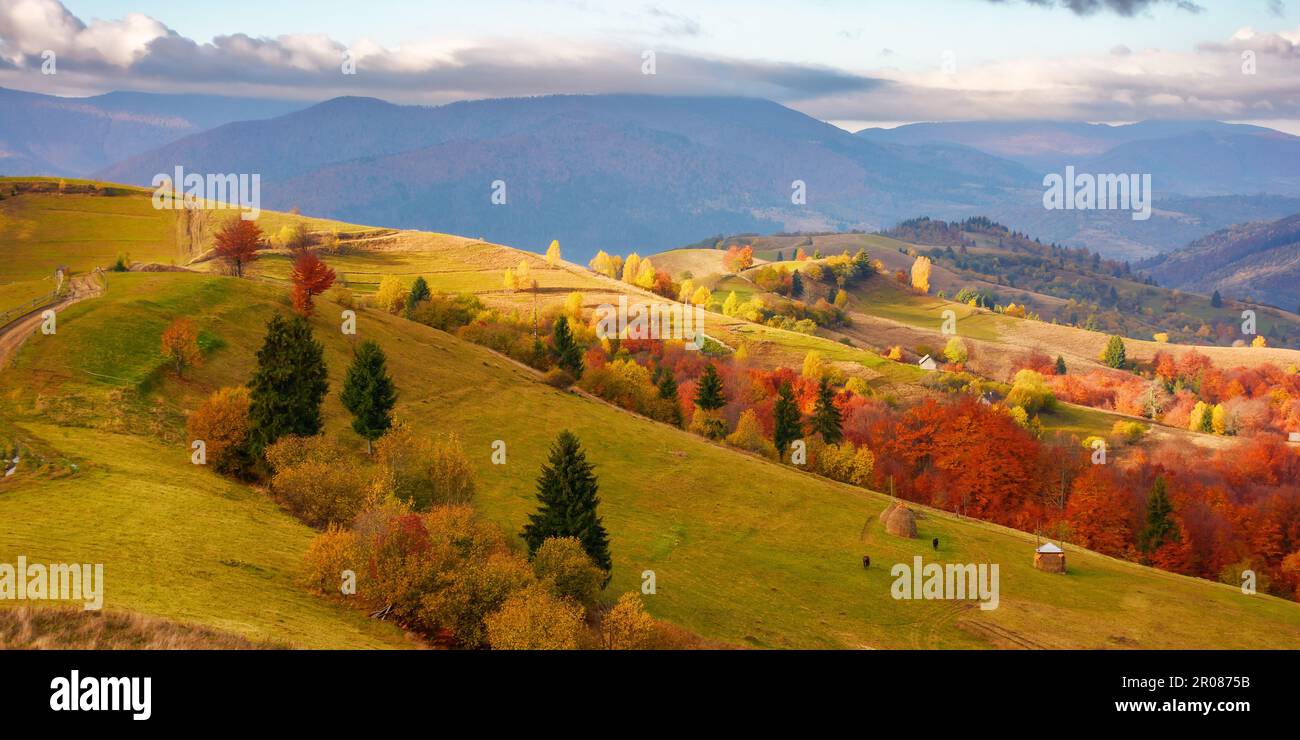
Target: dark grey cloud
pixel 1127 8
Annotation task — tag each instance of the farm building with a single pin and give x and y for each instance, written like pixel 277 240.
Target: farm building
pixel 1293 437
pixel 927 363
pixel 1050 558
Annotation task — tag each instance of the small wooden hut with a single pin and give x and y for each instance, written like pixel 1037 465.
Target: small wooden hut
pixel 1050 558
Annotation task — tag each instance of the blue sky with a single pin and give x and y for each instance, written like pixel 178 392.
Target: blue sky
pixel 852 63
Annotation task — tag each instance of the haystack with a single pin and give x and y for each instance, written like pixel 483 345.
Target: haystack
pixel 1050 558
pixel 901 522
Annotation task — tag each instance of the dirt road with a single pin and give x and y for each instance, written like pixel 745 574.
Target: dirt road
pixel 13 334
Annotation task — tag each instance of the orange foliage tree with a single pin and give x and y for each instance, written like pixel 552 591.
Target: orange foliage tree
pixel 311 277
pixel 237 243
pixel 180 345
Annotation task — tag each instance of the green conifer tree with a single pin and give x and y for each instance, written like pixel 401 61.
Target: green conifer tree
pixel 369 394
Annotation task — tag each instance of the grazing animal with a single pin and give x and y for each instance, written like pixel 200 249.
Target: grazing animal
pixel 866 561
pixel 935 542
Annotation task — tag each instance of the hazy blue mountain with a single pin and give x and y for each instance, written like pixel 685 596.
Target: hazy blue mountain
pixel 1259 261
pixel 613 172
pixel 48 135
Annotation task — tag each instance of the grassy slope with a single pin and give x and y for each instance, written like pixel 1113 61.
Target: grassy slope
pixel 744 551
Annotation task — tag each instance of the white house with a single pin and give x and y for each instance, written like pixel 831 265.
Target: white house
pixel 1293 437
pixel 928 363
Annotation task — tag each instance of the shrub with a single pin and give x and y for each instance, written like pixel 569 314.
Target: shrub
pixel 316 479
pixel 558 377
pixel 847 464
pixel 627 626
pixel 222 423
pixel 533 619
pixel 423 471
pixel 1128 431
pixel 1029 391
pixel 749 436
pixel 333 552
pixel 391 295
pixel 564 566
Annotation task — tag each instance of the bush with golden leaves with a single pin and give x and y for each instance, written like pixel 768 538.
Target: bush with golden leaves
pixel 565 567
pixel 627 626
pixel 317 480
pixel 535 619
pixel 221 422
pixel 424 471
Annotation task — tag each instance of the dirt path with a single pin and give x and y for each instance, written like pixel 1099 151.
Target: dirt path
pixel 13 334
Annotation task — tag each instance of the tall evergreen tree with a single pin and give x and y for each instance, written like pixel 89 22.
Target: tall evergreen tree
pixel 1060 365
pixel 567 490
pixel 288 386
pixel 1160 527
pixel 708 395
pixel 826 419
pixel 419 292
pixel 1115 356
pixel 1216 300
pixel 668 390
pixel 369 394
pixel 796 284
pixel 568 354
pixel 786 415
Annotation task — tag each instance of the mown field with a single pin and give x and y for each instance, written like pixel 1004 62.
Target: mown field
pixel 744 551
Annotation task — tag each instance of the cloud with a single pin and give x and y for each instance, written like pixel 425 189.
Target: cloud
pixel 1127 8
pixel 1210 80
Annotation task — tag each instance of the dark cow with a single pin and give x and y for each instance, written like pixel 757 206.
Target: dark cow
pixel 935 542
pixel 866 561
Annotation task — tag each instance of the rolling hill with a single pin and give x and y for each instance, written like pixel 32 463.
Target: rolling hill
pixel 745 551
pixel 1259 261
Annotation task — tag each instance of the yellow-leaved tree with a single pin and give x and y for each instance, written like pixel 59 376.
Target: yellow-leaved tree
pixel 921 274
pixel 391 295
pixel 553 253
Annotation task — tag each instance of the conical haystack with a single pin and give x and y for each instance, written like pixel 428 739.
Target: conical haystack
pixel 901 522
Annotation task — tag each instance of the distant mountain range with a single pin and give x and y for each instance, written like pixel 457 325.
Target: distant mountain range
pixel 47 135
pixel 646 173
pixel 1257 261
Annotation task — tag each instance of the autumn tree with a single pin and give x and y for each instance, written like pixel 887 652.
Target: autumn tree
pixel 391 294
pixel 288 385
pixel 921 274
pixel 368 393
pixel 826 419
pixel 563 564
pixel 311 277
pixel 627 626
pixel 567 491
pixel 568 354
pixel 1099 513
pixel 316 479
pixel 180 345
pixel 786 419
pixel 534 619
pixel 423 470
pixel 237 243
pixel 553 253
pixel 221 423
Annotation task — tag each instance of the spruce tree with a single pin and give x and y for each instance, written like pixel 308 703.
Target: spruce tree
pixel 1160 527
pixel 826 419
pixel 419 292
pixel 708 395
pixel 1116 356
pixel 567 490
pixel 1216 300
pixel 796 285
pixel 286 390
pixel 369 394
pixel 786 415
pixel 668 390
pixel 1060 365
pixel 568 354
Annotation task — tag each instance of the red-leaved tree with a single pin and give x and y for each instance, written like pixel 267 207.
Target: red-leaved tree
pixel 311 277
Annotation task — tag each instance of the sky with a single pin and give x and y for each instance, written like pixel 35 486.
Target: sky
pixel 851 62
